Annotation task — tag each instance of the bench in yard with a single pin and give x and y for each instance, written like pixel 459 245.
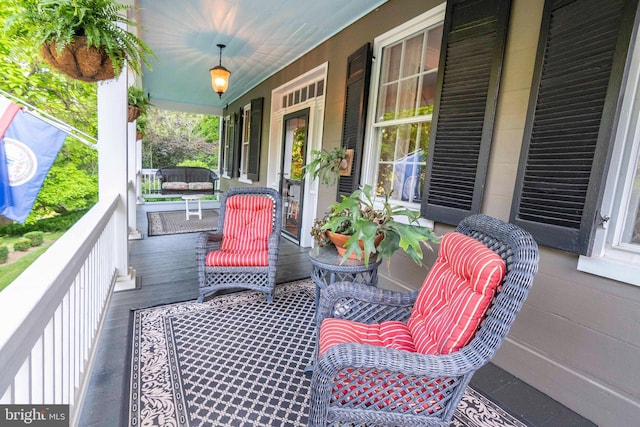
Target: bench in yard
pixel 186 180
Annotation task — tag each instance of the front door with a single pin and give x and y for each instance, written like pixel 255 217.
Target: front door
pixel 294 144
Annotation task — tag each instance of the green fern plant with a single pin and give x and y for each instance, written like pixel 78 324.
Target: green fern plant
pixel 59 22
pixel 325 165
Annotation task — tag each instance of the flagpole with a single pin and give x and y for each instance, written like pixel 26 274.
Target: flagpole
pixel 81 136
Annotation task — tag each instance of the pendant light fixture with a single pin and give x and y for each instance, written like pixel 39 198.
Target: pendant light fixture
pixel 220 75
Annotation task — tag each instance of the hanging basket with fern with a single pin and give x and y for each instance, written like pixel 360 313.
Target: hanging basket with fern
pixel 87 40
pixel 134 113
pixel 79 61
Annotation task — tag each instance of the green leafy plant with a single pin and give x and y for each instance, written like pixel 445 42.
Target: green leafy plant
pixel 137 98
pixel 325 165
pixel 22 245
pixel 35 237
pixel 4 254
pixel 363 217
pixel 61 22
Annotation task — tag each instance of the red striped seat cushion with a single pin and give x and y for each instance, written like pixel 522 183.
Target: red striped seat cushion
pixel 455 295
pixel 248 222
pixel 237 259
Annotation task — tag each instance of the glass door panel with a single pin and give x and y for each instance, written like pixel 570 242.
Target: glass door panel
pixel 294 145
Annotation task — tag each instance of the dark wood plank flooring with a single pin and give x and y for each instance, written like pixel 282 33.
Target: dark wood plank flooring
pixel 166 273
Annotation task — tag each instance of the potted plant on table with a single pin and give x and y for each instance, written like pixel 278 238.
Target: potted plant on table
pixel 370 227
pixel 81 38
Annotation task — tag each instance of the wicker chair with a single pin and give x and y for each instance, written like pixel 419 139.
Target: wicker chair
pixel 403 388
pixel 232 263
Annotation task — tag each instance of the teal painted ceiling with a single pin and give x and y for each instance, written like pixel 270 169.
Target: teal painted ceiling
pixel 262 37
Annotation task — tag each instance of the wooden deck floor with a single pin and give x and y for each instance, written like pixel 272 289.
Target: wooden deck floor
pixel 166 273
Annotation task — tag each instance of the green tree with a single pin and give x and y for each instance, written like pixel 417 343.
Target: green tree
pixel 26 76
pixel 175 137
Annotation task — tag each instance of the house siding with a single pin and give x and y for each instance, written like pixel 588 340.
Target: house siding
pixel 577 337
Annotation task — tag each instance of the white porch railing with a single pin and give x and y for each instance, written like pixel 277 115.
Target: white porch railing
pixel 51 315
pixel 149 185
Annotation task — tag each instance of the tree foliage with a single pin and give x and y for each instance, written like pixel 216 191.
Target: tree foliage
pixel 174 137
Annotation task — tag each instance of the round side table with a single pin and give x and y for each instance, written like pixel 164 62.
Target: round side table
pixel 327 269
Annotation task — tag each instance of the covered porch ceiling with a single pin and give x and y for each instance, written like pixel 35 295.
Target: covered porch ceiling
pixel 262 37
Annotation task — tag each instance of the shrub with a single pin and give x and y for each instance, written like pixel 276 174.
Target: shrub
pixel 22 245
pixel 61 222
pixel 4 253
pixel 36 237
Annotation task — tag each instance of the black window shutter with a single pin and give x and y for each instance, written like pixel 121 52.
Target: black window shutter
pixel 237 143
pixel 355 107
pixel 228 155
pixel 469 72
pixel 223 139
pixel 255 139
pixel 573 107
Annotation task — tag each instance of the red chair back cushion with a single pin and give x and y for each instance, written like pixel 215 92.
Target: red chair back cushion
pixel 248 222
pixel 455 295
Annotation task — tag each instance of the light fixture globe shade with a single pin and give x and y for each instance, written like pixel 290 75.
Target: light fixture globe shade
pixel 219 79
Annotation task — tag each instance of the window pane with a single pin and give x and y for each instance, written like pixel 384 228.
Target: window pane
pixel 391 63
pixel 387 102
pixel 412 56
pixel 387 143
pixel 385 179
pixel 432 55
pixel 631 232
pixel 404 141
pixel 408 95
pixel 428 94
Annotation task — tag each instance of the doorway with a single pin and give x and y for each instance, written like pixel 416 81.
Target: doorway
pixel 294 149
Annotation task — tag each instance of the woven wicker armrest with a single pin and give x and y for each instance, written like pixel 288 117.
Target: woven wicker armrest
pixel 355 356
pixel 207 242
pixel 365 304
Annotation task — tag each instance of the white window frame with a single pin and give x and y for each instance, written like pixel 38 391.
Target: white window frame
pixel 371 154
pixel 612 258
pixel 245 144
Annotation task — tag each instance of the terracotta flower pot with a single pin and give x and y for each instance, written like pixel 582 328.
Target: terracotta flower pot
pixel 339 241
pixel 79 61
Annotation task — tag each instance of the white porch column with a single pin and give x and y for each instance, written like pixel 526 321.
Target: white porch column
pixel 112 166
pixel 133 170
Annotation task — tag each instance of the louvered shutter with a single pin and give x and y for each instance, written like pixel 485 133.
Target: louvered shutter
pixel 573 107
pixel 468 80
pixel 355 107
pixel 228 155
pixel 237 143
pixel 255 139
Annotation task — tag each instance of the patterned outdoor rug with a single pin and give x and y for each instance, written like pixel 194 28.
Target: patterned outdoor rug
pixel 237 360
pixel 175 222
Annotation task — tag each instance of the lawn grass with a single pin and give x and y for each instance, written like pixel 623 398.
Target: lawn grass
pixel 9 272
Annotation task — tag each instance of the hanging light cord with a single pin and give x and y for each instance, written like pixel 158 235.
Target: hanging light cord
pixel 81 136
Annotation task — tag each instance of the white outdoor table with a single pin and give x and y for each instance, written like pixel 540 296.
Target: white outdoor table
pixel 193 198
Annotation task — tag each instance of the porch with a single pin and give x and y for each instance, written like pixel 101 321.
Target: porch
pixel 166 273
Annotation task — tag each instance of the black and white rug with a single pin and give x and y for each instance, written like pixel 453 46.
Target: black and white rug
pixel 175 222
pixel 237 360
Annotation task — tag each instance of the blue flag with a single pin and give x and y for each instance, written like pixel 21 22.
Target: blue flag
pixel 30 146
pixel 8 110
pixel 5 189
